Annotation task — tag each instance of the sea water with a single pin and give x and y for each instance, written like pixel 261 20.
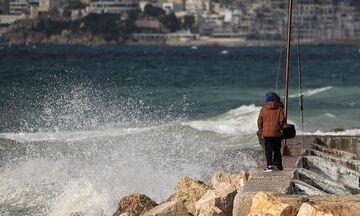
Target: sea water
pixel 82 126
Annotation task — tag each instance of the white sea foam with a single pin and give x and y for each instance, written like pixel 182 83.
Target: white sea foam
pixel 81 197
pixel 312 92
pixel 330 115
pixel 69 136
pixel 347 132
pixel 239 121
pixel 87 172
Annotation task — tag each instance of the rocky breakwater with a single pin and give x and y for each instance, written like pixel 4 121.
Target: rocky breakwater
pixel 269 204
pixel 191 197
pixel 320 178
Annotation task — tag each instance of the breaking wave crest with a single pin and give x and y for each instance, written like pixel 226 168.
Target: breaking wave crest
pixel 239 121
pixel 85 172
pixel 312 92
pixel 345 132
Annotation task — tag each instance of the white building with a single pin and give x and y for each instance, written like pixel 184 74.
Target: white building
pixel 17 7
pixel 172 7
pixel 4 6
pixel 113 6
pixel 47 5
pixel 9 19
pixel 78 14
pixel 197 7
pixel 227 14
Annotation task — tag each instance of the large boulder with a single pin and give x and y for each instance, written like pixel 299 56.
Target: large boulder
pixel 269 204
pixel 209 209
pixel 174 208
pixel 222 180
pixel 219 201
pixel 134 205
pixel 189 191
pixel 215 202
pixel 307 209
pixel 241 179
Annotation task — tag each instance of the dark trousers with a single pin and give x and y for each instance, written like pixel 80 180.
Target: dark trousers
pixel 272 151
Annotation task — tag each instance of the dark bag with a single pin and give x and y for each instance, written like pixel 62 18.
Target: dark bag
pixel 289 131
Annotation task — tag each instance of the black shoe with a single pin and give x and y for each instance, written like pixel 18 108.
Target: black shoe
pixel 274 167
pixel 278 168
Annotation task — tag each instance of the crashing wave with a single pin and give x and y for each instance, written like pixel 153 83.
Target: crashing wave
pixel 312 92
pixel 239 121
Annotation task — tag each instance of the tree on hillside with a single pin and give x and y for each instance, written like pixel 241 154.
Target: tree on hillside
pixel 171 22
pixel 73 5
pixel 152 11
pixel 189 21
pixel 51 27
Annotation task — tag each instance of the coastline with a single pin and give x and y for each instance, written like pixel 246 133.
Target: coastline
pixel 226 42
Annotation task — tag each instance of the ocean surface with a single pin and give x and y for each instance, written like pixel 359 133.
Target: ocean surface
pixel 82 126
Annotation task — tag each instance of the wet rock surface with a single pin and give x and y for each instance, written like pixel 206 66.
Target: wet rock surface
pixel 174 208
pixel 134 205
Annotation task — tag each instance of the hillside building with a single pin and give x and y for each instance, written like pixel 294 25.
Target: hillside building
pixel 4 6
pixel 113 6
pixel 47 5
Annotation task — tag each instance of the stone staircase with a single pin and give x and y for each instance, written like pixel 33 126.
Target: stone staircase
pixel 326 168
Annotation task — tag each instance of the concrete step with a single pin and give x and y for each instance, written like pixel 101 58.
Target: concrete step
pixel 345 143
pixel 335 172
pixel 301 188
pixel 334 152
pixel 277 181
pixel 348 163
pixel 323 183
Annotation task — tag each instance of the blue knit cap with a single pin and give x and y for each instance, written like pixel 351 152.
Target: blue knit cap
pixel 270 98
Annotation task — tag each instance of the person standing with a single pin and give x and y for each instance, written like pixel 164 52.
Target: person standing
pixel 270 121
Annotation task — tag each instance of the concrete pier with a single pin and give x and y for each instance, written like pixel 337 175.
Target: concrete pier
pixel 313 158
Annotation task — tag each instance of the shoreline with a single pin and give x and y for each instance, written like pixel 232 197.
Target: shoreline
pixel 224 42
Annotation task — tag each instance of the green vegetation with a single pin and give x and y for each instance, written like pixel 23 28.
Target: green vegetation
pixel 152 11
pixel 171 22
pixel 110 26
pixel 189 22
pixel 50 27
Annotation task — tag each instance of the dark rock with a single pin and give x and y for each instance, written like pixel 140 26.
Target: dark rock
pixel 337 130
pixel 134 205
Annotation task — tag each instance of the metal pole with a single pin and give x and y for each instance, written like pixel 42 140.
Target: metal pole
pixel 288 55
pixel 285 149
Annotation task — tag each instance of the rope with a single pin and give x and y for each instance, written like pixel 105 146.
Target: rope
pixel 278 68
pixel 301 95
pixel 282 49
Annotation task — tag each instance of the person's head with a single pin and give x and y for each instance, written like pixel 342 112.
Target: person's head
pixel 270 98
pixel 269 93
pixel 274 94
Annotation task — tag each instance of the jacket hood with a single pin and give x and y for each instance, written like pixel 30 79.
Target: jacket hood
pixel 272 105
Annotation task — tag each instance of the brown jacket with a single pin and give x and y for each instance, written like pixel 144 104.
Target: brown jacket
pixel 271 119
